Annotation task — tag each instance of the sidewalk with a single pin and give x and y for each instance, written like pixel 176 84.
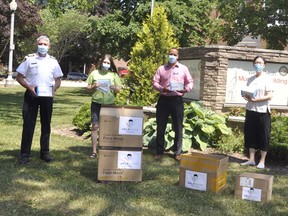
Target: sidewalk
pixel 64 83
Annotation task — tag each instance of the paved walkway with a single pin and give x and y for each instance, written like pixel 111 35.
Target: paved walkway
pixel 64 83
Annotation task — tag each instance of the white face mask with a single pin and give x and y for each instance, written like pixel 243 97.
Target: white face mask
pixel 105 66
pixel 259 67
pixel 172 59
pixel 42 49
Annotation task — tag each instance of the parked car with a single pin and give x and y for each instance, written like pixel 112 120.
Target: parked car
pixel 76 76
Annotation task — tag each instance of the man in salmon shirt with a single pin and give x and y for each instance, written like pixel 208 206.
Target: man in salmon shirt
pixel 172 80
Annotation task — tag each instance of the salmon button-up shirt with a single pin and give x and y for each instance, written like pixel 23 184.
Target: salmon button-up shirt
pixel 166 75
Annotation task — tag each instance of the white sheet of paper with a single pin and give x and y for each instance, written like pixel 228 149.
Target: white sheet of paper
pixel 175 86
pixel 104 85
pixel 44 91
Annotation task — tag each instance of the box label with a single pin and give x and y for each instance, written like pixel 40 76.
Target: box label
pixel 130 125
pixel 129 160
pixel 246 182
pixel 196 180
pixel 253 194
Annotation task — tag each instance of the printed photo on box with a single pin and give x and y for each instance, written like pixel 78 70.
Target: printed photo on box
pixel 129 160
pixel 130 125
pixel 196 180
pixel 252 194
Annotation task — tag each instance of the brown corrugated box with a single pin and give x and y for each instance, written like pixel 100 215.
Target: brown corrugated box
pixel 206 172
pixel 254 187
pixel 121 126
pixel 120 165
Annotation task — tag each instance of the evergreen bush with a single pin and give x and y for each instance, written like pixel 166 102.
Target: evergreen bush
pixel 149 52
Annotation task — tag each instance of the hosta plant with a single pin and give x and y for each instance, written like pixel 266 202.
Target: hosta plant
pixel 202 127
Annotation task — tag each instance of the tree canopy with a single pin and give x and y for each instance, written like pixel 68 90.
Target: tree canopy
pixel 26 20
pixel 112 26
pixel 267 19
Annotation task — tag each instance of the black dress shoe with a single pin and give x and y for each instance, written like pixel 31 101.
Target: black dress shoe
pixel 46 158
pixel 24 160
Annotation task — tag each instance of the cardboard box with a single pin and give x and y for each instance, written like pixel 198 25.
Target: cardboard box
pixel 121 126
pixel 205 172
pixel 254 186
pixel 120 165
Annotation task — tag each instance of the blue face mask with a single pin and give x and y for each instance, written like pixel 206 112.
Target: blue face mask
pixel 172 59
pixel 42 49
pixel 259 67
pixel 105 66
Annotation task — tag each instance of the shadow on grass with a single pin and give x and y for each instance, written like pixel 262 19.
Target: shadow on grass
pixel 11 100
pixel 71 179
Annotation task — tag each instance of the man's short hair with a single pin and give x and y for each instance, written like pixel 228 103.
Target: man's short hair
pixel 43 37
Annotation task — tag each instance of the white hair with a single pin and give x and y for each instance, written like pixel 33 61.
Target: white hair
pixel 43 37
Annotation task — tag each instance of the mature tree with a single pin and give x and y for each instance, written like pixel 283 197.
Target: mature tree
pixel 64 31
pixel 149 52
pixel 58 7
pixel 26 19
pixel 268 19
pixel 190 20
pixel 109 34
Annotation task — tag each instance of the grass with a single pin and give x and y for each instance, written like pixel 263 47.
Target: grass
pixel 68 186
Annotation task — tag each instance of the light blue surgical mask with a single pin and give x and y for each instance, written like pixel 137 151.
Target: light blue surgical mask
pixel 42 49
pixel 259 67
pixel 172 59
pixel 105 66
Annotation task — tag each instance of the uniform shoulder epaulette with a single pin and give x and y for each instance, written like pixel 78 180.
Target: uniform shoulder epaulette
pixel 52 57
pixel 29 55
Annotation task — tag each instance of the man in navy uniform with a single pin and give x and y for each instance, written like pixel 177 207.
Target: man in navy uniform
pixel 40 74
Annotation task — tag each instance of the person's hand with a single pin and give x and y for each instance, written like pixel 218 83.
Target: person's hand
pixel 95 86
pixel 166 89
pixel 247 98
pixel 114 88
pixel 182 91
pixel 32 90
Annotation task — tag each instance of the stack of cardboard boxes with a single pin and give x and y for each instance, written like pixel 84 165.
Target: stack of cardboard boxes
pixel 120 159
pixel 120 143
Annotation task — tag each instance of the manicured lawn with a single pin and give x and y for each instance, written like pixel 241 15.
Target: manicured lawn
pixel 68 186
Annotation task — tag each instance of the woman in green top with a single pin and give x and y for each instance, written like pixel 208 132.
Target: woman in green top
pixel 103 83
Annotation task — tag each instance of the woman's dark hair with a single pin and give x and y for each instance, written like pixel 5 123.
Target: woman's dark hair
pixel 112 64
pixel 259 57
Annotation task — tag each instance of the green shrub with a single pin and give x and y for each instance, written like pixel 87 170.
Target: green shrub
pixel 278 150
pixel 83 119
pixel 232 143
pixel 202 127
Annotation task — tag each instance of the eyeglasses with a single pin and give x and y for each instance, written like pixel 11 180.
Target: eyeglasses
pixel 40 44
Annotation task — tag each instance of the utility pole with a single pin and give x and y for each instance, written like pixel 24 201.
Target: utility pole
pixel 152 7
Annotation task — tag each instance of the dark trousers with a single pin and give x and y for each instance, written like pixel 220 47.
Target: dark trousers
pixel 257 128
pixel 167 106
pixel 30 111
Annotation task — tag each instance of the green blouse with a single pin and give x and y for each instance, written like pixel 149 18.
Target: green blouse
pixel 100 95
